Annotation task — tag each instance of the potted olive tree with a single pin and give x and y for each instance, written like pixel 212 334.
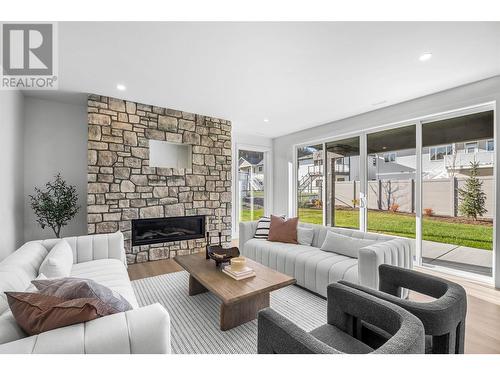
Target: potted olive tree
pixel 55 205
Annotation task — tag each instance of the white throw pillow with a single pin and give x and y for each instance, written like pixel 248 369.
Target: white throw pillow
pixel 59 261
pixel 344 245
pixel 305 236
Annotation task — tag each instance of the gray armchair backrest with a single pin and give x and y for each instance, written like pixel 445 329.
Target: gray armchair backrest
pixel 439 316
pixel 443 318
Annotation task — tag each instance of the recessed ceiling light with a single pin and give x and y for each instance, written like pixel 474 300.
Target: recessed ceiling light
pixel 266 120
pixel 379 103
pixel 425 56
pixel 121 87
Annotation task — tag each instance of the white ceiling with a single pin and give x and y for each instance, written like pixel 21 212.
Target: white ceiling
pixel 297 75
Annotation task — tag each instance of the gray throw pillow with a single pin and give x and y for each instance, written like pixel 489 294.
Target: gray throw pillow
pixel 344 245
pixel 305 235
pixel 73 288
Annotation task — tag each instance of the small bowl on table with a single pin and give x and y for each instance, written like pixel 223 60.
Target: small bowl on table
pixel 221 255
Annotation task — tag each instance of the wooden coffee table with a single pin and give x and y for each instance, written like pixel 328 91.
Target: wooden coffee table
pixel 241 300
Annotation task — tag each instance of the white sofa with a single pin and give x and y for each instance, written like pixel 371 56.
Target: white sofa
pixel 314 269
pixel 98 257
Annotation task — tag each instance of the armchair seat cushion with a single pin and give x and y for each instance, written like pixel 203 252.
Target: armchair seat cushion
pixel 110 273
pixel 338 339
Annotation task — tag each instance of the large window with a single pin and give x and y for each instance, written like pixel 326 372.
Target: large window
pixel 471 147
pixel 441 195
pixel 439 152
pixel 251 182
pixel 310 184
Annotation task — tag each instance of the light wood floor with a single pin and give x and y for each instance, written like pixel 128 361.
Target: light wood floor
pixel 483 313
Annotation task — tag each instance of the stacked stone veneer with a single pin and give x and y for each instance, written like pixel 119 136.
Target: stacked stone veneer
pixel 122 186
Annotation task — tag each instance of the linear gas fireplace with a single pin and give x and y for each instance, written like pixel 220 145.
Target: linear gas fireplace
pixel 167 229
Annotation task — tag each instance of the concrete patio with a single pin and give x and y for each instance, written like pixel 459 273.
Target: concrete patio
pixel 458 257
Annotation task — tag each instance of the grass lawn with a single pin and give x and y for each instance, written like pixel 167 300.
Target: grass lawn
pixel 245 215
pixel 478 236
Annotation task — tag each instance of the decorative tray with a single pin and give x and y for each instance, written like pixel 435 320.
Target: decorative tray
pixel 221 255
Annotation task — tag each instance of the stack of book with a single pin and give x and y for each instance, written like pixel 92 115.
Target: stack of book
pixel 244 273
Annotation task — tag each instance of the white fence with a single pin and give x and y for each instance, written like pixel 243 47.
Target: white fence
pixel 440 195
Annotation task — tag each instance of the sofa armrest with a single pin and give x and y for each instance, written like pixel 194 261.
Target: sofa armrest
pixel 94 246
pixel 396 252
pixel 141 331
pixel 246 232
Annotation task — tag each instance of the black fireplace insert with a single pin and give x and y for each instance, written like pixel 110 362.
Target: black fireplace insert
pixel 167 229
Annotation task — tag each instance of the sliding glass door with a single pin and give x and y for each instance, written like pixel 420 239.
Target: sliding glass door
pixel 430 180
pixel 458 192
pixel 391 168
pixel 343 183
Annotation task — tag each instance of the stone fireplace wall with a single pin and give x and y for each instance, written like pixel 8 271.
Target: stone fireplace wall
pixel 122 186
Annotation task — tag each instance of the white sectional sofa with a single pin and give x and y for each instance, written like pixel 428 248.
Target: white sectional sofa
pixel 100 258
pixel 314 269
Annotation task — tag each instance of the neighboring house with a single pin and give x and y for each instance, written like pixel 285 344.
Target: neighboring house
pixel 251 176
pixel 246 166
pixel 310 172
pixel 443 161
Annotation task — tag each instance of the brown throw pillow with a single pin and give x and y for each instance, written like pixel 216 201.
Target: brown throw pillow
pixel 73 287
pixel 282 230
pixel 36 313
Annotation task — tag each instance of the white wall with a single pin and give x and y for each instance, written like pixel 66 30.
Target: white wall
pixel 468 95
pixel 55 140
pixel 252 139
pixel 11 188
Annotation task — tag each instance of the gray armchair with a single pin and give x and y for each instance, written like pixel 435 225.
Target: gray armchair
pixel 443 318
pixel 347 309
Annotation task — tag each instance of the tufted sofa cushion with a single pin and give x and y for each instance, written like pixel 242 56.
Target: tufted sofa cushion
pixel 315 269
pixel 312 268
pixel 142 331
pixel 110 273
pixel 21 267
pixel 97 246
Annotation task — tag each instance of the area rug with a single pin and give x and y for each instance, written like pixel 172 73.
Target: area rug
pixel 195 320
